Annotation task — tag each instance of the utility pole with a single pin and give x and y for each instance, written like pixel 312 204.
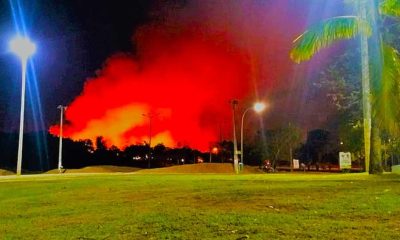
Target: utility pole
pixel 234 103
pixel 62 110
pixel 290 150
pixel 150 116
pixel 221 142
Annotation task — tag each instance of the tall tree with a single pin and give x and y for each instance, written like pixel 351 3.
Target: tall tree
pixel 281 142
pixel 340 83
pixel 364 24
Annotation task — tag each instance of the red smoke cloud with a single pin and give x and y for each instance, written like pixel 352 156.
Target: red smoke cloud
pixel 183 78
pixel 186 70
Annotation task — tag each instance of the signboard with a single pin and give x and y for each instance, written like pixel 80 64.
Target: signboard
pixel 296 164
pixel 345 160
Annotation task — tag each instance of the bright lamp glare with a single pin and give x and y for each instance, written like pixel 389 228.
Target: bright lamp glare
pixel 22 47
pixel 214 150
pixel 259 107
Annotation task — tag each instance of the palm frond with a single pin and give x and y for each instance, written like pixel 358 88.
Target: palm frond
pixel 390 8
pixel 386 95
pixel 324 34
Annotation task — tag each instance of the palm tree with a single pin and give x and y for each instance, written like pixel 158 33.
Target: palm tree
pixel 364 25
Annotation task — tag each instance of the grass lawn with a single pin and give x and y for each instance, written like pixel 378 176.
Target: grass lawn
pixel 208 206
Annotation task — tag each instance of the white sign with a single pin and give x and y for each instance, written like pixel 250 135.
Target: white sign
pixel 296 164
pixel 345 160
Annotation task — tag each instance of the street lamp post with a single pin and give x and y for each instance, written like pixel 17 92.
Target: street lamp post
pixel 23 48
pixel 235 151
pixel 214 150
pixel 258 107
pixel 62 109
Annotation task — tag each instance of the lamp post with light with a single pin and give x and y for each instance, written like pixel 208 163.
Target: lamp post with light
pixel 258 108
pixel 62 110
pixel 214 150
pixel 23 48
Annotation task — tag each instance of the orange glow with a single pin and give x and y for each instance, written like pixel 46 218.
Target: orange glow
pixel 187 86
pixel 214 150
pixel 185 69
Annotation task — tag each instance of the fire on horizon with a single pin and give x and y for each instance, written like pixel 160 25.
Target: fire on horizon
pixel 184 71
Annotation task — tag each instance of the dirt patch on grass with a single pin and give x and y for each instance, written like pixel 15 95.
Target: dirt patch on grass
pixel 201 168
pixel 4 172
pixel 98 169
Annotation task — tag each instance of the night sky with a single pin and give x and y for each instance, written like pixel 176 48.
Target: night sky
pixel 78 40
pixel 73 39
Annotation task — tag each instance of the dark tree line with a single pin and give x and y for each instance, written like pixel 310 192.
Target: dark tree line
pixel 40 153
pixel 320 150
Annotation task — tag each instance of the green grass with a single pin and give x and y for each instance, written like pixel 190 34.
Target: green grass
pixel 139 206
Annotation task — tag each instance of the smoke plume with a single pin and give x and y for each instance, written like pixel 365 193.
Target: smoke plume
pixel 188 64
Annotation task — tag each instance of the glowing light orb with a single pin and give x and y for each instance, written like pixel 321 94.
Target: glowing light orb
pixel 22 47
pixel 214 150
pixel 259 107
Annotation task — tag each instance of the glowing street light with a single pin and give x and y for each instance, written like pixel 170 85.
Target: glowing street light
pixel 258 108
pixel 214 150
pixel 23 48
